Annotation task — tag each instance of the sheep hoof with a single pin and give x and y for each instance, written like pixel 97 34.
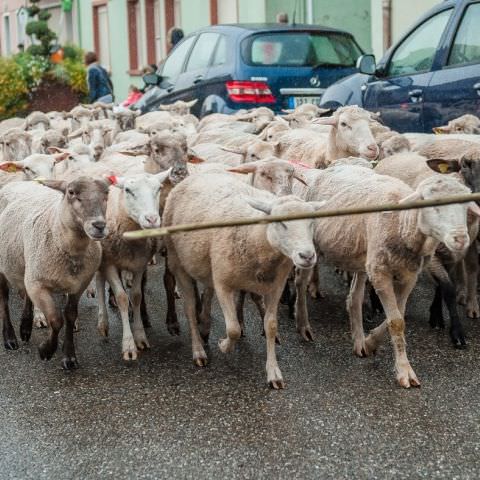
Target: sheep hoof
pixel 129 349
pixel 25 332
pixel 473 310
pixel 407 378
pixel 458 339
pixel 46 351
pixel 128 356
pixel 226 345
pixel 275 379
pixel 39 321
pixel 462 297
pixel 359 348
pixel 305 332
pixel 141 341
pixel 91 293
pixel 173 327
pixel 102 329
pixel 69 363
pixel 200 359
pixel 11 344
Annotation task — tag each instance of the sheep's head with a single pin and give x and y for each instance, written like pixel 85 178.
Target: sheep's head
pixel 141 197
pixel 272 174
pixel 294 239
pixel 37 121
pixel 179 107
pixel 86 199
pixel 391 144
pixel 351 128
pixel 38 165
pixel 465 124
pixel 53 138
pixel 468 166
pixel 256 150
pixel 166 150
pixel 125 119
pixel 447 223
pixel 16 144
pixel 80 116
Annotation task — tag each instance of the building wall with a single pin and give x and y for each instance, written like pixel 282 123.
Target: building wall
pixel 194 14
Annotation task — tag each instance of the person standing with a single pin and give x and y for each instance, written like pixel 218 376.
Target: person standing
pixel 174 35
pixel 100 87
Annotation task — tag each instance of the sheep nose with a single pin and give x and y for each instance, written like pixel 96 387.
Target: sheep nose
pixel 307 256
pixel 462 240
pixel 99 224
pixel 152 219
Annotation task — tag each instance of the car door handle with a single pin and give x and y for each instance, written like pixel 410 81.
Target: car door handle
pixel 170 89
pixel 198 79
pixel 415 93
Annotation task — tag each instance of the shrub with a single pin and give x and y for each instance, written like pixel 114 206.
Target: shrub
pixel 13 88
pixel 72 52
pixel 33 68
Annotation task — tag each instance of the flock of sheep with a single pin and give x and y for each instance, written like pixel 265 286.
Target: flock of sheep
pixel 71 184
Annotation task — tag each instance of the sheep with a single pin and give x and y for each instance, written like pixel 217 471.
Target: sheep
pixel 391 143
pixel 37 121
pixel 273 130
pixel 34 166
pixel 390 248
pixel 251 152
pixel 15 145
pixel 257 258
pixel 179 107
pixel 133 205
pixel 421 140
pixel 60 121
pixel 50 244
pixel 147 119
pixel 50 138
pixel 465 124
pixel 350 135
pixel 10 123
pixel 80 117
pixel 309 109
pixel 223 136
pixel 412 169
pixel 124 120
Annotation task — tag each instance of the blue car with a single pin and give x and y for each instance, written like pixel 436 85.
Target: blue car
pixel 431 76
pixel 232 67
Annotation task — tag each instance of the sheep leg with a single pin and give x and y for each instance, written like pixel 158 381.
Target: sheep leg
pixel 270 325
pixel 288 299
pixel 394 305
pixel 471 266
pixel 102 323
pixel 204 317
pixel 354 308
pixel 139 334
pixel 461 281
pixel 69 360
pixel 447 290
pixel 41 297
pixel 302 277
pixel 436 310
pixel 173 326
pixel 143 305
pixel 129 350
pixel 39 320
pixel 9 338
pixel 26 322
pixel 226 299
pixel 239 303
pixel 187 289
pixel 314 284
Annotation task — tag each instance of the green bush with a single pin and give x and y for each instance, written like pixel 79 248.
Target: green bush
pixel 13 88
pixel 72 52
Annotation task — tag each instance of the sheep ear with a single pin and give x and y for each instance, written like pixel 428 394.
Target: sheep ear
pixel 250 167
pixel 441 130
pixel 192 157
pixel 444 166
pixel 318 205
pixel 260 205
pixel 59 185
pixel 413 197
pixel 332 121
pixel 115 180
pixel 474 208
pixel 238 151
pixel 162 176
pixel 299 176
pixel 191 103
pixel 77 133
pixel 11 167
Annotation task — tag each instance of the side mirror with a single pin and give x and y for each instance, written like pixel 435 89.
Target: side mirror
pixel 152 79
pixel 366 64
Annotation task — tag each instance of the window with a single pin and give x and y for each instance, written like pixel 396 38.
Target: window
pixel 466 47
pixel 417 51
pixel 22 19
pixel 142 57
pixel 7 36
pixel 220 56
pixel 101 34
pixel 202 51
pixel 137 52
pixel 300 49
pixel 174 63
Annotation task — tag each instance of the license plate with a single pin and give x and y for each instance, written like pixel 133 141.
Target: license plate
pixel 297 101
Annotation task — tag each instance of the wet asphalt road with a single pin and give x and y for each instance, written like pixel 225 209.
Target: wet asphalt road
pixel 161 417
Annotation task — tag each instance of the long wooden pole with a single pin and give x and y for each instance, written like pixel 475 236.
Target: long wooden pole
pixel 234 222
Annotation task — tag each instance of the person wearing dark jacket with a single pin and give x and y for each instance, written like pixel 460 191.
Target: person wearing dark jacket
pixel 100 88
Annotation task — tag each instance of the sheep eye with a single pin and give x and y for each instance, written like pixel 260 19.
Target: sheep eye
pixel 129 192
pixel 27 169
pixel 7 144
pixel 343 124
pixel 71 193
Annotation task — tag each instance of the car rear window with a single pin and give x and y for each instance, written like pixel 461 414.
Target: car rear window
pixel 300 49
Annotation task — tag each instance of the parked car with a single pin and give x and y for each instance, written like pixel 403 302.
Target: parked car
pixel 231 67
pixel 429 77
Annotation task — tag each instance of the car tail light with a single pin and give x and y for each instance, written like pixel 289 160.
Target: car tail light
pixel 249 92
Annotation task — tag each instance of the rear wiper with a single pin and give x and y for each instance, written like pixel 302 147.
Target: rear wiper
pixel 327 64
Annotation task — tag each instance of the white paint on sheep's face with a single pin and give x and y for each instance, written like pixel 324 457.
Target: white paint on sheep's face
pixel 142 198
pixel 448 223
pixel 295 238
